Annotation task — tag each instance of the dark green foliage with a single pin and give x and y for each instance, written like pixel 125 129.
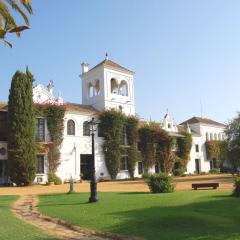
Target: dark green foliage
pixel 216 150
pixel 236 191
pixel 147 146
pixel 52 177
pixel 179 172
pixel 131 124
pixel 164 150
pixel 133 157
pixel 160 183
pixel 233 139
pixel 184 145
pixel 21 130
pixel 156 146
pixel 215 171
pixel 54 115
pixel 112 125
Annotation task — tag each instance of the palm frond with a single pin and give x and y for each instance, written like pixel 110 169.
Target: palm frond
pixel 27 5
pixel 16 7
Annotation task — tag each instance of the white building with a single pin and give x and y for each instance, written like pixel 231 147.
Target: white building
pixel 202 130
pixel 105 86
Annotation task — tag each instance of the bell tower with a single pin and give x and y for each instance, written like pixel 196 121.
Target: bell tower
pixel 108 85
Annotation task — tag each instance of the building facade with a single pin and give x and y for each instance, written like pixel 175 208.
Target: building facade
pixel 105 86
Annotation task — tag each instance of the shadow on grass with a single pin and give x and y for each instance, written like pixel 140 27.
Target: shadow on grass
pixel 215 219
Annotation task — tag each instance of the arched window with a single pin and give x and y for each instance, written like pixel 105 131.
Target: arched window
pixel 114 86
pixel 97 87
pixel 86 129
pixel 207 136
pixel 70 127
pixel 90 90
pixel 215 136
pixel 123 89
pixel 223 136
pixel 211 136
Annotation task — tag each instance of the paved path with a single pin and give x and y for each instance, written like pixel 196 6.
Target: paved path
pixel 182 183
pixel 25 209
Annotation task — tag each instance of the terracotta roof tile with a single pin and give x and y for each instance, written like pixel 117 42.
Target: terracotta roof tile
pixel 3 106
pixel 202 120
pixel 80 108
pixel 112 65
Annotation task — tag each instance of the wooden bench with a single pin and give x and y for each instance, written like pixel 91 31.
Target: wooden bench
pixel 195 186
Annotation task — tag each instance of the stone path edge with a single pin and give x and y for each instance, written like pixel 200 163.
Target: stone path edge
pixel 77 229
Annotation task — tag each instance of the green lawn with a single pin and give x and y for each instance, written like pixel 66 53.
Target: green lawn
pixel 180 215
pixel 12 228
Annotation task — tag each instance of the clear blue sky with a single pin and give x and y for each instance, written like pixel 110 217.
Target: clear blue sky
pixel 182 51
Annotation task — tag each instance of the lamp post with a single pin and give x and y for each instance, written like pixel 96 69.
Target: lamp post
pixel 93 183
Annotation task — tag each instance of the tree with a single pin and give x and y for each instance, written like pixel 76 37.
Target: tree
pixel 21 130
pixel 233 139
pixel 7 21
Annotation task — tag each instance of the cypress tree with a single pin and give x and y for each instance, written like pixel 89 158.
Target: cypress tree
pixel 21 164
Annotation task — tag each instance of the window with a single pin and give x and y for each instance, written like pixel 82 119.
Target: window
pixel 207 136
pixel 140 168
pixel 97 87
pixel 124 163
pixel 40 164
pixel 40 130
pixel 123 89
pixel 223 136
pixel 70 127
pixel 90 90
pixel 3 126
pixel 124 137
pixel 196 147
pixel 219 136
pixel 114 86
pixel 2 168
pixel 169 125
pixel 215 136
pixel 211 136
pixel 86 129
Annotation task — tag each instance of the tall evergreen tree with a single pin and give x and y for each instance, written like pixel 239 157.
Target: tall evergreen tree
pixel 21 130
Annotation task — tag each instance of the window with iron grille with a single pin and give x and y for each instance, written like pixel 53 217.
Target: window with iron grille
pixel 70 127
pixel 124 163
pixel 40 164
pixel 40 129
pixel 86 129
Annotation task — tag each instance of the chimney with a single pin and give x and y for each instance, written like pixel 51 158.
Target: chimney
pixel 84 67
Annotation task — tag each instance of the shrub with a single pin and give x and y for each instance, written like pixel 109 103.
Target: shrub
pixel 52 177
pixel 179 172
pixel 160 183
pixel 215 171
pixel 236 191
pixel 146 175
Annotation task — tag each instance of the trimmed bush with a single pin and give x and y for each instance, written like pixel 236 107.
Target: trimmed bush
pixel 52 177
pixel 236 191
pixel 215 171
pixel 160 183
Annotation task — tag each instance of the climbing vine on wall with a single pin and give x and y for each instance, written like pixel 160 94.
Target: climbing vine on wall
pixel 216 150
pixel 184 145
pixel 156 147
pixel 131 125
pixel 114 127
pixel 54 115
